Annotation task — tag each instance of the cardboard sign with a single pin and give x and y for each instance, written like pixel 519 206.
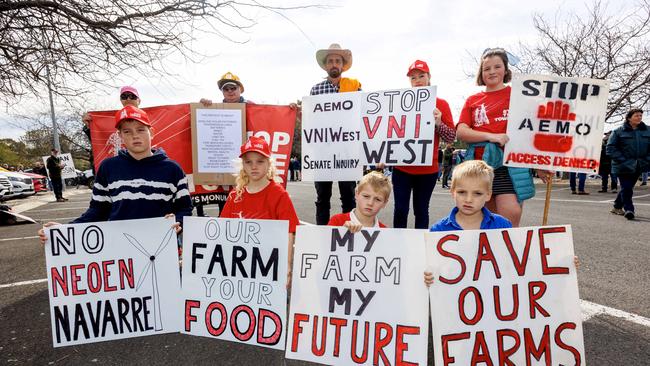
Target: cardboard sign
pixel 505 297
pixel 172 132
pixel 331 137
pixel 217 133
pixel 234 280
pixel 358 299
pixel 68 170
pixel 398 127
pixel 113 280
pixel 556 123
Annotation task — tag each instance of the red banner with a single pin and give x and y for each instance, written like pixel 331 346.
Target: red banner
pixel 171 131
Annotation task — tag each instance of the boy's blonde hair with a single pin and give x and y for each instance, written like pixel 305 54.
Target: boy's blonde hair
pixel 241 179
pixel 473 169
pixel 378 182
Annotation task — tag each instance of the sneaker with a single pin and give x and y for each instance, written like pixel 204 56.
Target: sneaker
pixel 583 193
pixel 629 215
pixel 60 200
pixel 643 184
pixel 617 211
pixel 602 191
pixel 573 192
pixel 614 190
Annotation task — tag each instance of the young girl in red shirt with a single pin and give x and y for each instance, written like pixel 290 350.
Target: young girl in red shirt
pixel 484 119
pixel 257 195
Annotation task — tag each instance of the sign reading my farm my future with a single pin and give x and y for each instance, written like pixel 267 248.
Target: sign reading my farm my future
pixel 234 279
pixel 505 297
pixel 358 299
pixel 112 280
pixel 556 123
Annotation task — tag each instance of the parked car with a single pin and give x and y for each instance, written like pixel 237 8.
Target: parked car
pixel 40 182
pixel 6 189
pixel 22 185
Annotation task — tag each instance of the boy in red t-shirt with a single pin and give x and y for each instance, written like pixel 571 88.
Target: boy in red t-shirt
pixel 257 195
pixel 371 195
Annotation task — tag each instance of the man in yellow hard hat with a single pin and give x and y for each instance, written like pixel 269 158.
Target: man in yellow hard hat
pixel 231 87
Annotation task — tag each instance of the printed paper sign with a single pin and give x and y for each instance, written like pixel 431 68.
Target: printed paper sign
pixel 113 280
pixel 358 299
pixel 556 123
pixel 331 137
pixel 505 297
pixel 68 170
pixel 234 280
pixel 398 127
pixel 219 136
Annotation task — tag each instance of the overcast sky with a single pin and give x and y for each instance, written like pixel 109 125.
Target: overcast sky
pixel 277 63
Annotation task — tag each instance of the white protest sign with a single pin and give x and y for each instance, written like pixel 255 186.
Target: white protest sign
pixel 219 136
pixel 234 279
pixel 68 170
pixel 113 280
pixel 505 297
pixel 330 137
pixel 358 299
pixel 556 123
pixel 398 127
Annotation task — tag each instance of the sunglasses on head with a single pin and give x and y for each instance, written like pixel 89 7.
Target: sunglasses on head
pixel 126 96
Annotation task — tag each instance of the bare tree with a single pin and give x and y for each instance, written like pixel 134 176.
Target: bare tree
pixel 85 42
pixel 601 46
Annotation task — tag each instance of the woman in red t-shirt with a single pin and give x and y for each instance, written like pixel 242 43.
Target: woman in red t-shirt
pixel 257 195
pixel 421 179
pixel 484 118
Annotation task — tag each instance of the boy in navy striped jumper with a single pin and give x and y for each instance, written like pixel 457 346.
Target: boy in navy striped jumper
pixel 140 182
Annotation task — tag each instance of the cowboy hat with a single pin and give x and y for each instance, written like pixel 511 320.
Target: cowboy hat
pixel 334 49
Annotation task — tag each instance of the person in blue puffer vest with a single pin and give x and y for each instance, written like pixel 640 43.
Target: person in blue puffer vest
pixel 629 148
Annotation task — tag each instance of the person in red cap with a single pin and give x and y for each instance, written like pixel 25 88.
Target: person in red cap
pixel 257 195
pixel 138 183
pixel 128 96
pixel 420 180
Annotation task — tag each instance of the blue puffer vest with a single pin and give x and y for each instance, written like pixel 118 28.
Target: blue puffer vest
pixel 522 178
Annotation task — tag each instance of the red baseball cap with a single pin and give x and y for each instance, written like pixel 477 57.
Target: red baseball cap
pixel 131 112
pixel 418 65
pixel 256 144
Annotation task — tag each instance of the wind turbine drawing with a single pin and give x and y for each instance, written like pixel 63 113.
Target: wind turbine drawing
pixel 154 279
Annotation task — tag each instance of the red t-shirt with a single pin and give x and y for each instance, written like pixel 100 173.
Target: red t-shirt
pixel 271 203
pixel 340 219
pixel 487 111
pixel 447 119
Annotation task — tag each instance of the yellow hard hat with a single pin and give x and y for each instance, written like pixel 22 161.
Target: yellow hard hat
pixel 229 77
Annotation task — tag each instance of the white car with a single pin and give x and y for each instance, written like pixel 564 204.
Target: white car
pixel 22 185
pixel 6 189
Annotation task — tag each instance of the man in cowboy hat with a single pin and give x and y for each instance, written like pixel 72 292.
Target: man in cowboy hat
pixel 231 87
pixel 335 61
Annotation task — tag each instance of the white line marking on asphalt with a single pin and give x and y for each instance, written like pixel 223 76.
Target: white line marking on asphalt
pixel 23 283
pixel 584 201
pixel 22 238
pixel 645 195
pixel 590 309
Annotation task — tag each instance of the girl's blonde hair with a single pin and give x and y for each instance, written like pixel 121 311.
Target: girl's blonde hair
pixel 241 179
